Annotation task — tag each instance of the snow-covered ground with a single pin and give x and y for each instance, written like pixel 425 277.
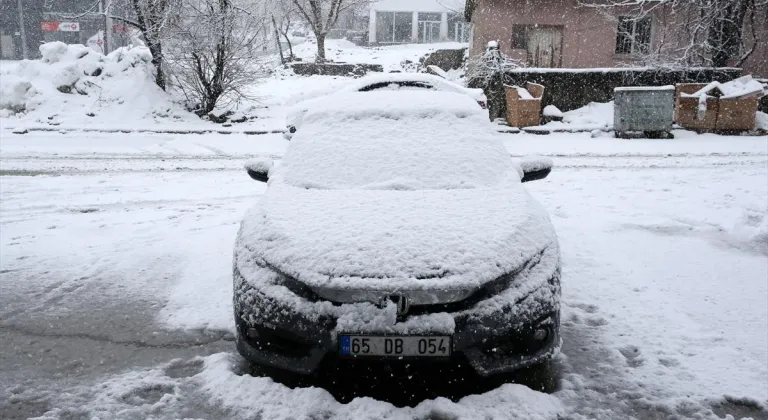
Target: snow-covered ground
pixel 125 241
pixel 116 253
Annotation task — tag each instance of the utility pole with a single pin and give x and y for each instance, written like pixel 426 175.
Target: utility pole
pixel 23 32
pixel 108 26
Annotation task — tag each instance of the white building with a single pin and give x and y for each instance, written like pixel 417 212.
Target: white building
pixel 417 21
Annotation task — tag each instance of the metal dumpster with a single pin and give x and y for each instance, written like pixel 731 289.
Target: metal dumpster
pixel 643 110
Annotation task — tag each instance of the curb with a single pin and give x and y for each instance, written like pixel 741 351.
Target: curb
pixel 25 130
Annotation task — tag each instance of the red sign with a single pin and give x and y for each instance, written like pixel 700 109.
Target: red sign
pixel 49 26
pixel 60 26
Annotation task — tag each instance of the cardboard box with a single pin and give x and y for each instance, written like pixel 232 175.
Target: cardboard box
pixel 736 114
pixel 722 114
pixel 687 109
pixel 524 105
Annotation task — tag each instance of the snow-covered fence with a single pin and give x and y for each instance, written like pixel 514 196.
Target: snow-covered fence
pixel 334 69
pixel 570 89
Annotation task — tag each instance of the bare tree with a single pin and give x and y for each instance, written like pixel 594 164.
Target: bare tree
pixel 694 32
pixel 215 49
pixel 284 29
pixel 321 16
pixel 283 17
pixel 154 18
pixel 277 40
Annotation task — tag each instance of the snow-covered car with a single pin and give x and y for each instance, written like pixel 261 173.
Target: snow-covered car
pixel 383 81
pixel 396 227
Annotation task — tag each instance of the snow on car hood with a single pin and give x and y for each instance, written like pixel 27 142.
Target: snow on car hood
pixel 394 241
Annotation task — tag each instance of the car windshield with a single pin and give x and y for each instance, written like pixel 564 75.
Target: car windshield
pixel 401 140
pixel 412 84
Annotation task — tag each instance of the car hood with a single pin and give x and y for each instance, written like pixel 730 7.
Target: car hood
pixel 437 246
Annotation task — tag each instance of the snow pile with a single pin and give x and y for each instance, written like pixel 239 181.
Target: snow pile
pixel 593 116
pixel 242 395
pixel 742 87
pixel 761 121
pixel 751 229
pixel 72 83
pixel 14 93
pixel 215 387
pixel 552 111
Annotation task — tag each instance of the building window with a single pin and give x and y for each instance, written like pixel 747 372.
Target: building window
pixel 519 37
pixel 458 29
pixel 429 27
pixel 393 27
pixel 633 35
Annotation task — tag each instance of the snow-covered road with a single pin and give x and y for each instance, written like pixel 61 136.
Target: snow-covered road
pixel 115 297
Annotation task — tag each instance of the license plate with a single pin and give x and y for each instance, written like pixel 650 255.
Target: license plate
pixel 395 346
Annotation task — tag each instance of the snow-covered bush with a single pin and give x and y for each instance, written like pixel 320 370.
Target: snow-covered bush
pixel 482 68
pixel 486 71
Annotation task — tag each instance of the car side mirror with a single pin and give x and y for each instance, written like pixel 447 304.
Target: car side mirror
pixel 258 168
pixel 535 168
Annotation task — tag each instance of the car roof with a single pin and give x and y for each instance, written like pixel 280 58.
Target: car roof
pixel 392 104
pixel 401 77
pixel 418 139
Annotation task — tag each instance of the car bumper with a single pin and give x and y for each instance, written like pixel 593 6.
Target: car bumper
pixel 492 338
